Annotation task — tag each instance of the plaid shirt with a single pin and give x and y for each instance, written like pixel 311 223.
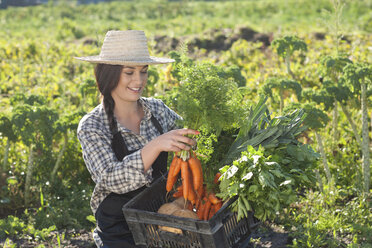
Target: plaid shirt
pixel 108 173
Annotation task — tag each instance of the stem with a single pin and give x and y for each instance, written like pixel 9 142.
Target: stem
pixel 288 65
pixel 352 123
pixel 321 148
pixel 335 122
pixel 30 167
pixel 6 154
pixel 365 136
pixel 281 101
pixel 59 158
pixel 319 180
pixel 185 155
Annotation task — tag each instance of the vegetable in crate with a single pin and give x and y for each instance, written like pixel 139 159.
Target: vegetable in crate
pixel 259 184
pixel 278 136
pixel 191 173
pixel 264 180
pixel 176 208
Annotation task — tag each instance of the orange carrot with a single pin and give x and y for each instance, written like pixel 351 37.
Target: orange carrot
pixel 207 208
pixel 213 199
pixel 192 195
pixel 218 206
pixel 197 203
pixel 200 210
pixel 216 177
pixel 178 194
pixel 177 169
pixel 212 211
pixel 197 172
pixel 185 175
pixel 172 177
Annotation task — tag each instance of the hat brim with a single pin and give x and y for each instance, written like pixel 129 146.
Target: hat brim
pixel 148 61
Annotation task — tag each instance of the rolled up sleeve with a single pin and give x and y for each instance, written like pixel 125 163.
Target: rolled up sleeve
pixel 108 172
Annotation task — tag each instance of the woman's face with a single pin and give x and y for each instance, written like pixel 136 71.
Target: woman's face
pixel 132 81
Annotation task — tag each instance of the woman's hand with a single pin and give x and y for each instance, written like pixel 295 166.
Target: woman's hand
pixel 175 140
pixel 172 141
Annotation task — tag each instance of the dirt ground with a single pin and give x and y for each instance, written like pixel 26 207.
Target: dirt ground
pixel 266 235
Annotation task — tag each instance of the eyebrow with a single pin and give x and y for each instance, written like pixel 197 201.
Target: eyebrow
pixel 130 67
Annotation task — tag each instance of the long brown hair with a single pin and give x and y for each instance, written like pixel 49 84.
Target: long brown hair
pixel 107 78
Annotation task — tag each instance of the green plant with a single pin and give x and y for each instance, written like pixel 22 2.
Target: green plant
pixel 259 184
pixel 7 130
pixel 359 76
pixel 334 218
pixel 282 85
pixel 32 124
pixel 208 97
pixel 315 120
pixel 286 46
pixel 64 125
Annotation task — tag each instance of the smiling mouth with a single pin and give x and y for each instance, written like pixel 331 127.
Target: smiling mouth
pixel 137 90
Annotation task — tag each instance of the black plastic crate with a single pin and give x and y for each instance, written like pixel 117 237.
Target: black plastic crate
pixel 222 230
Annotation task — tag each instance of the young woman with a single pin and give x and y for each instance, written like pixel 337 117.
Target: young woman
pixel 125 139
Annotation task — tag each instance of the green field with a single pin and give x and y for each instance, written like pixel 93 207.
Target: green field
pixel 45 187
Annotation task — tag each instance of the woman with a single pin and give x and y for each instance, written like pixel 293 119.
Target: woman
pixel 125 139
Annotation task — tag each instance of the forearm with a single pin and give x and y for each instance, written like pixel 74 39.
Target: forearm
pixel 149 153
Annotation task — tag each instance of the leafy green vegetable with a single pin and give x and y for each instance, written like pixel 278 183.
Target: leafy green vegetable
pixel 259 129
pixel 258 183
pixel 207 97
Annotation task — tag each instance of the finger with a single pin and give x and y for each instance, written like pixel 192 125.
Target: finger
pixel 182 146
pixel 186 131
pixel 186 140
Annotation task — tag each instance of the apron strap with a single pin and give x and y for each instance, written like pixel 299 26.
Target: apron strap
pixel 157 124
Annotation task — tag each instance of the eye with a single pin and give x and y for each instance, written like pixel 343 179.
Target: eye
pixel 128 73
pixel 144 72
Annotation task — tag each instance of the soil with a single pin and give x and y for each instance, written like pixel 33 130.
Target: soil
pixel 266 235
pixel 269 235
pixel 71 239
pixel 212 39
pixel 216 40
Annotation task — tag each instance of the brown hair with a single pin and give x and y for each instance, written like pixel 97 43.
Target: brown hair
pixel 107 78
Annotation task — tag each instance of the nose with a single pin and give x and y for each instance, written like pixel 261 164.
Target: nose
pixel 139 77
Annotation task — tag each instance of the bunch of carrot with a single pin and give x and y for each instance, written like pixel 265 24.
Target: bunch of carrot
pixel 193 189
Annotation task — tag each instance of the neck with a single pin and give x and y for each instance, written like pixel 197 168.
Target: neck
pixel 125 110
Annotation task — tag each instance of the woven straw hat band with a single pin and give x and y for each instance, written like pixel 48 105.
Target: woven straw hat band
pixel 130 44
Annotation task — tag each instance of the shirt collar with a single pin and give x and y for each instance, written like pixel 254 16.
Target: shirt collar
pixel 146 109
pixel 146 116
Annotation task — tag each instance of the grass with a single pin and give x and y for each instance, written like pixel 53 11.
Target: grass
pixel 50 35
pixel 160 17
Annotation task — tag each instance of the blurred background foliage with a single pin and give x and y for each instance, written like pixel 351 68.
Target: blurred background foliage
pixel 44 185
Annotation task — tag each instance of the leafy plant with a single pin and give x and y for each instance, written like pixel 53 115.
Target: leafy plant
pixel 7 130
pixel 208 97
pixel 360 76
pixel 64 125
pixel 32 124
pixel 258 128
pixel 258 184
pixel 286 46
pixel 282 85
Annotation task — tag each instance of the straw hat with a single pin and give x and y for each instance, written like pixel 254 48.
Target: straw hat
pixel 125 48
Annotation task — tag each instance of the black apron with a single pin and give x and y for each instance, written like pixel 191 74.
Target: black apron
pixel 111 225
